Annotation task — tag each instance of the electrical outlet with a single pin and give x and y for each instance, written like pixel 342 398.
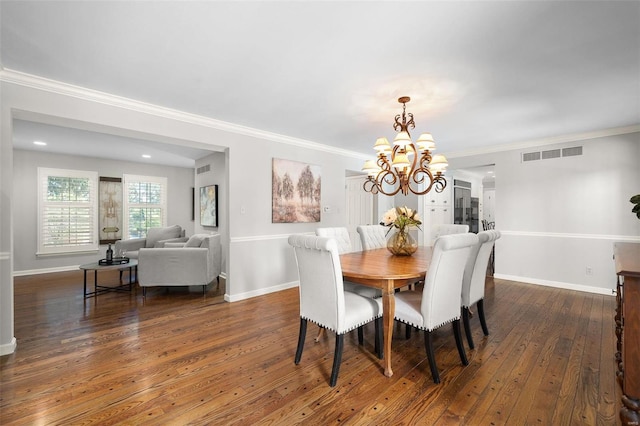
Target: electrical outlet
pixel 589 271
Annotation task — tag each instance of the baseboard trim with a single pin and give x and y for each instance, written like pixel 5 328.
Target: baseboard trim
pixel 556 284
pixel 9 348
pixel 260 292
pixel 46 270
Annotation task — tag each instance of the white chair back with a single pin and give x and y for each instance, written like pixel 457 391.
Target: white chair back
pixel 340 234
pixel 321 286
pixel 476 268
pixel 372 236
pixel 443 284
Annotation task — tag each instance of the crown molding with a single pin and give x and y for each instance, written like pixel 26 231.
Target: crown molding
pixel 53 86
pixel 553 140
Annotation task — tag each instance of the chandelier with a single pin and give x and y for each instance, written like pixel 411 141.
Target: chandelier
pixel 408 166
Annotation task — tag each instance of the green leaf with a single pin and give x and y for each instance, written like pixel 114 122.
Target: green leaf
pixel 635 199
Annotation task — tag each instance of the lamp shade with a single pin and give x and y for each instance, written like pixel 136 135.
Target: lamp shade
pixel 402 139
pixel 371 168
pixel 382 145
pixel 438 163
pixel 400 160
pixel 425 141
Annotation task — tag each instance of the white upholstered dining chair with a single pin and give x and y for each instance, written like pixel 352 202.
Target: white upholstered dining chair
pixel 473 280
pixel 372 236
pixel 343 240
pixel 323 299
pixel 340 234
pixel 447 229
pixel 439 302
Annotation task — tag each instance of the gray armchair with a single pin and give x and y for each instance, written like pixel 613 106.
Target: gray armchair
pixel 195 262
pixel 156 237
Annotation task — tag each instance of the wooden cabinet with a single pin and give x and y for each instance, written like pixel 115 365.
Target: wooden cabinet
pixel 627 261
pixel 436 210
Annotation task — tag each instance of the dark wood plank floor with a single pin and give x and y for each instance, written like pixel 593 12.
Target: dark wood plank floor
pixel 183 358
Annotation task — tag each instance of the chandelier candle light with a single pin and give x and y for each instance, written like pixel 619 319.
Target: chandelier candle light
pixel 410 166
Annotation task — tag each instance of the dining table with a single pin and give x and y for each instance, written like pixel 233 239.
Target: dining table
pixel 381 269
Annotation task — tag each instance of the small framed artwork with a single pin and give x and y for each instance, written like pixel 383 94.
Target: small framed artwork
pixel 209 205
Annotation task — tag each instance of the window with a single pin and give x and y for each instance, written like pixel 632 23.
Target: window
pixel 67 211
pixel 145 204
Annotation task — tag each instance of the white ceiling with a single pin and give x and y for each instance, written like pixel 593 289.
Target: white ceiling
pixel 479 73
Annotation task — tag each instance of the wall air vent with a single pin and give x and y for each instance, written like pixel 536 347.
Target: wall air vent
pixel 203 169
pixel 568 152
pixel 553 153
pixel 530 156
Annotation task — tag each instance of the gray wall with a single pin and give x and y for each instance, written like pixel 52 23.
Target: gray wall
pixel 216 175
pixel 25 202
pixel 560 217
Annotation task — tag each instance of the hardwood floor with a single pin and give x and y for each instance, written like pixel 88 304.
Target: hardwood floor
pixel 183 358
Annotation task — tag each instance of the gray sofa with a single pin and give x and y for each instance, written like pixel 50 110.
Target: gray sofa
pixel 156 237
pixel 195 262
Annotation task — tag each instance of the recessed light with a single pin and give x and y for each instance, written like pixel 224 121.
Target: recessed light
pixel 39 143
pixel 146 156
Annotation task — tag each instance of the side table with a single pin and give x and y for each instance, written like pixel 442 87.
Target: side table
pixel 132 266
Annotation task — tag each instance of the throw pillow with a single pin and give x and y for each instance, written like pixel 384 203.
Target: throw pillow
pixel 195 240
pixel 157 234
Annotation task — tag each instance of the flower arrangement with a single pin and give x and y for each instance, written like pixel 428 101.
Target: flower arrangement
pixel 402 218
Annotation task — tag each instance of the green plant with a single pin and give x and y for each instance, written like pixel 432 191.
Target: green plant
pixel 635 200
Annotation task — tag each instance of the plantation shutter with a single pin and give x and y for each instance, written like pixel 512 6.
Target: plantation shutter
pixel 145 204
pixel 67 211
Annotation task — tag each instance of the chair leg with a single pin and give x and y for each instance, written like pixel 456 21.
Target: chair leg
pixel 407 332
pixel 467 326
pixel 458 336
pixel 483 322
pixel 337 359
pixel 144 292
pixel 321 331
pixel 378 338
pixel 360 336
pixel 428 345
pixel 301 337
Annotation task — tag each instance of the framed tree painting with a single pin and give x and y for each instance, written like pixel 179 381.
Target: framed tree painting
pixel 209 205
pixel 110 210
pixel 295 192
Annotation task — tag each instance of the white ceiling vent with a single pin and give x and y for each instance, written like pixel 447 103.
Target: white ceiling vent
pixel 552 153
pixel 204 169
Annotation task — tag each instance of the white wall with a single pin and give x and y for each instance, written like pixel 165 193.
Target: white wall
pixel 25 203
pixel 559 217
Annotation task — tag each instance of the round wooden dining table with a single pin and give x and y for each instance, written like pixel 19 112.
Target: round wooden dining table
pixel 379 268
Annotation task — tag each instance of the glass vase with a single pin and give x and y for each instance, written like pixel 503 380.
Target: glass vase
pixel 402 243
